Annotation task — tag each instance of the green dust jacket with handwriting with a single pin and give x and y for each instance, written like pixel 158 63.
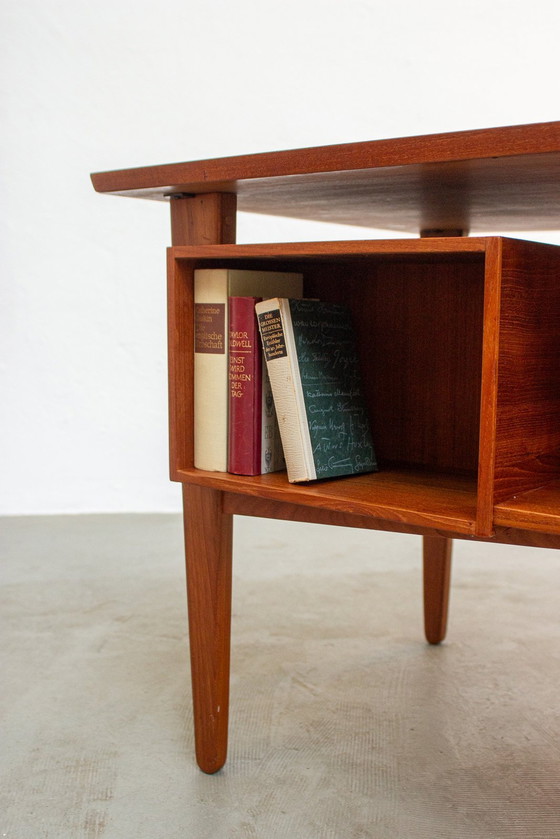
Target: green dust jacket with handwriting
pixel 317 341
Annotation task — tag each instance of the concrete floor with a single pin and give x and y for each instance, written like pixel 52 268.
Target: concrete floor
pixel 344 723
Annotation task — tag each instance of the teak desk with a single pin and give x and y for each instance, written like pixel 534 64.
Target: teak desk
pixel 460 350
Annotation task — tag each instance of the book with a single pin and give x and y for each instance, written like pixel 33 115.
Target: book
pixel 254 445
pixel 212 289
pixel 312 360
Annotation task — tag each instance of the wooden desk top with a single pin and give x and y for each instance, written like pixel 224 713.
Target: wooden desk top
pixel 489 180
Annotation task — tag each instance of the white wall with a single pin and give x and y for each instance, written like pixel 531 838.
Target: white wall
pixel 103 85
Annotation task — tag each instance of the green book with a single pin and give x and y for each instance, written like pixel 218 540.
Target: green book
pixel 312 362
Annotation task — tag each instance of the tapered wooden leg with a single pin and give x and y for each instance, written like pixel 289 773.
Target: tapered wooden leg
pixel 208 538
pixel 437 577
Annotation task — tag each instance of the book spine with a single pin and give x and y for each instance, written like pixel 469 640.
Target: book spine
pixel 245 388
pixel 281 360
pixel 212 289
pixel 210 370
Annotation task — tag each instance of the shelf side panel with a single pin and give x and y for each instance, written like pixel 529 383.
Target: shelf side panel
pixel 180 275
pixel 489 387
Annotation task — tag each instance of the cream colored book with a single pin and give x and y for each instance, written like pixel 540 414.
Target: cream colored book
pixel 212 288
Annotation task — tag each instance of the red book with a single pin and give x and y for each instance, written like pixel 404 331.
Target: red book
pixel 253 438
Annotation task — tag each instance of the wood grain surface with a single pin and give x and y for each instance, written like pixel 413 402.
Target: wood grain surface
pixel 505 178
pixel 208 538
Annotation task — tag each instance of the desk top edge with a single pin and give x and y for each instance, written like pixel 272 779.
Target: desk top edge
pixel 477 144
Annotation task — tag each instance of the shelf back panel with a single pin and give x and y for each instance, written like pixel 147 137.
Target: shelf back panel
pixel 528 403
pixel 419 335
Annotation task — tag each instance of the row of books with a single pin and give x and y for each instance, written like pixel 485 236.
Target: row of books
pixel 299 404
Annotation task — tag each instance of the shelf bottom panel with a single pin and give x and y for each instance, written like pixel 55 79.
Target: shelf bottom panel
pixel 538 510
pixel 420 498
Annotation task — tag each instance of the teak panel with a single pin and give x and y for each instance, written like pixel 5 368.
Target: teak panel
pixel 489 386
pixel 505 178
pixel 420 498
pixel 180 319
pixel 537 510
pixel 419 330
pixel 419 334
pixel 528 405
pixel 246 505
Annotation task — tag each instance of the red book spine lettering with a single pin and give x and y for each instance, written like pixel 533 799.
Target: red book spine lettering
pixel 245 388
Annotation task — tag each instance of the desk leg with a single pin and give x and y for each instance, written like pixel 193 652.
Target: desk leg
pixel 208 543
pixel 437 577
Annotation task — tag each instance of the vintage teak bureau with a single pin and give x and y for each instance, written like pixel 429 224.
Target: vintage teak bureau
pixel 460 350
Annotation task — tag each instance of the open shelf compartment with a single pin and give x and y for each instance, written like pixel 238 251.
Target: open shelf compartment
pixel 428 322
pixel 527 455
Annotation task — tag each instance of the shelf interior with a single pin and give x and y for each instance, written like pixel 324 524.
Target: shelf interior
pixel 419 314
pixel 419 336
pixel 418 320
pixel 538 509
